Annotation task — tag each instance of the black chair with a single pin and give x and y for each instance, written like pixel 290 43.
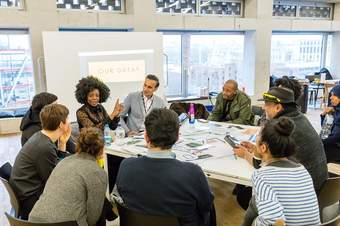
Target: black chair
pixel 329 202
pixel 130 218
pixel 17 222
pixel 5 170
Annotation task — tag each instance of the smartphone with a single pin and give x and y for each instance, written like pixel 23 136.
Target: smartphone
pixel 230 141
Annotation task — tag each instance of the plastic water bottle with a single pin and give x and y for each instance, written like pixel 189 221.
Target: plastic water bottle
pixel 327 127
pixel 120 132
pixel 192 114
pixel 107 137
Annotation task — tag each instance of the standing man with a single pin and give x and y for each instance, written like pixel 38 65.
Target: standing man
pixel 138 104
pixel 232 105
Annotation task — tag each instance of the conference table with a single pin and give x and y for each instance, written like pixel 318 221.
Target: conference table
pixel 201 143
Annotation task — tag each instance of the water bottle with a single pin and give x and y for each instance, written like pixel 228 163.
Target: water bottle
pixel 327 127
pixel 107 137
pixel 120 132
pixel 191 114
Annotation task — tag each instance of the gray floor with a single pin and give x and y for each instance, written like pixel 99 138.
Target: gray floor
pixel 228 211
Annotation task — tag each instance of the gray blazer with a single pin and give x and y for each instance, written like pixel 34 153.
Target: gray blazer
pixel 75 190
pixel 135 112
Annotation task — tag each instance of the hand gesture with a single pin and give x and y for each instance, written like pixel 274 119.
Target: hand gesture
pixel 250 147
pixel 64 138
pixel 117 109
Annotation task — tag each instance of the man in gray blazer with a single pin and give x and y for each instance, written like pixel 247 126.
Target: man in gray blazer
pixel 138 104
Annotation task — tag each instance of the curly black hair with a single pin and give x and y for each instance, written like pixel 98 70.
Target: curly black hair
pixel 88 84
pixel 289 83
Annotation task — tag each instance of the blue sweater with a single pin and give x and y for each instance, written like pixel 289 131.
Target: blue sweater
pixel 165 187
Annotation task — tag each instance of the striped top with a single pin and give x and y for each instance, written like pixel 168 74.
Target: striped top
pixel 285 191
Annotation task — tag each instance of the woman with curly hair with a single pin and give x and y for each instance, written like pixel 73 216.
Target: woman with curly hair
pixel 91 92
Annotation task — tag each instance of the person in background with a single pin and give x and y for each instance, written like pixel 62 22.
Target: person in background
pixel 332 142
pixel 157 183
pixel 79 195
pixel 30 123
pixel 279 102
pixel 289 83
pixel 38 157
pixel 280 180
pixel 138 104
pixel 91 92
pixel 232 105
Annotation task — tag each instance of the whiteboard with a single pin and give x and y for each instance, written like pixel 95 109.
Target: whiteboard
pixel 121 60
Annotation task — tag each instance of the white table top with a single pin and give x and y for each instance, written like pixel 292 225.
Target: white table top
pixel 222 165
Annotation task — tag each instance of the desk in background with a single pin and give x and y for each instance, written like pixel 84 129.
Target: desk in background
pixel 222 165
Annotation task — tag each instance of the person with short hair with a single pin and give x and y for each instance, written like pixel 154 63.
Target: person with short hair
pixel 332 142
pixel 157 183
pixel 80 195
pixel 30 123
pixel 38 157
pixel 91 92
pixel 282 189
pixel 232 105
pixel 138 104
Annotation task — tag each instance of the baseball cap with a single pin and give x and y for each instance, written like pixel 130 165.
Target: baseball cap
pixel 279 95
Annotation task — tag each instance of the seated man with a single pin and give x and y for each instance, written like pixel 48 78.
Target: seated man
pixel 158 184
pixel 232 105
pixel 332 142
pixel 38 157
pixel 138 104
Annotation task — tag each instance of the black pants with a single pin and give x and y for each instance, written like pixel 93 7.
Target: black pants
pixel 26 206
pixel 107 214
pixel 332 153
pixel 243 195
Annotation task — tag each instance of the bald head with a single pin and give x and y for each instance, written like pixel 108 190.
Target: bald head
pixel 230 89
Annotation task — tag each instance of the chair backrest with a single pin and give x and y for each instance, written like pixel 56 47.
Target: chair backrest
pixel 200 110
pixel 12 196
pixel 329 199
pixel 17 222
pixel 5 170
pixel 333 222
pixel 130 218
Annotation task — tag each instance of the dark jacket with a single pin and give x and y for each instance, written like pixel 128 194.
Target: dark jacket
pixel 88 116
pixel 334 137
pixel 32 167
pixel 310 151
pixel 165 187
pixel 239 110
pixel 30 124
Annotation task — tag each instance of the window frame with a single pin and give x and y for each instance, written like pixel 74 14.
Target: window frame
pixel 184 69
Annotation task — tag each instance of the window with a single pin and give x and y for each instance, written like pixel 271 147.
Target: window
pixel 298 55
pixel 16 73
pixel 196 62
pixel 11 3
pixel 107 5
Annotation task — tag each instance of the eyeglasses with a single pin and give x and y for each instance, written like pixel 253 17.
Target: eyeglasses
pixel 271 97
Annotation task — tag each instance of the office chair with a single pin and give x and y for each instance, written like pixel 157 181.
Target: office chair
pixel 130 218
pixel 329 202
pixel 17 222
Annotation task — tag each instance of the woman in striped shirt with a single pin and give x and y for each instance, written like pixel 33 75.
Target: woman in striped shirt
pixel 282 189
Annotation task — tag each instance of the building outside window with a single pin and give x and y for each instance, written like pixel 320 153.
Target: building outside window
pixel 16 73
pixel 299 54
pixel 196 62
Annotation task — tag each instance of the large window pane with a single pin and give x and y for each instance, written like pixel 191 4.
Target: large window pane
pixel 328 52
pixel 16 74
pixel 173 64
pixel 296 55
pixel 213 60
